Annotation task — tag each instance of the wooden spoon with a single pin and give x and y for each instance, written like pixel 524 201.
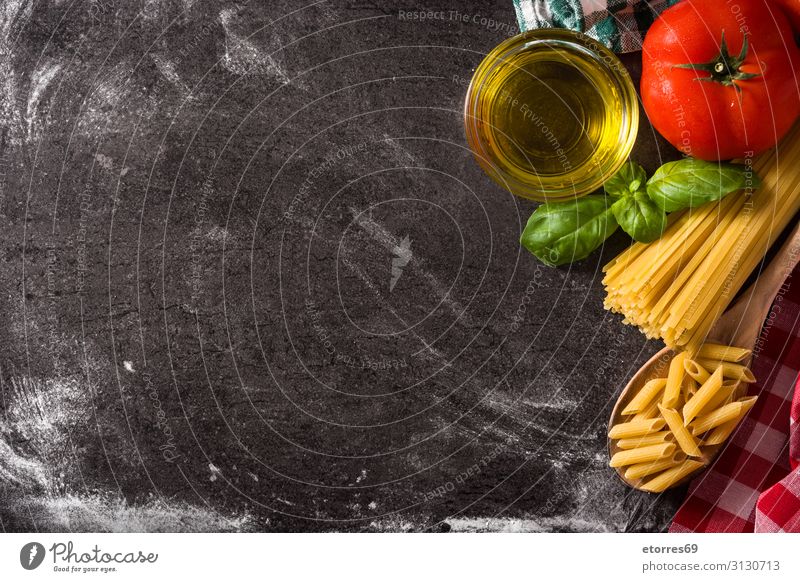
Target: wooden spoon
pixel 739 326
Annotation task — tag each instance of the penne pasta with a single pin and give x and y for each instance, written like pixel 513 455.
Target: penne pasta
pixel 707 391
pixel 730 370
pixel 655 438
pixel 696 371
pixel 645 396
pixel 683 437
pixel 664 443
pixel 720 434
pixel 644 469
pixel 688 389
pixel 722 415
pixel 731 383
pixel 725 395
pixel 636 428
pixel 710 351
pixel 642 455
pixel 672 390
pixel 670 477
pixel 650 412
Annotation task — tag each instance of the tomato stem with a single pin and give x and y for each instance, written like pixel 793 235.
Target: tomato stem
pixel 725 68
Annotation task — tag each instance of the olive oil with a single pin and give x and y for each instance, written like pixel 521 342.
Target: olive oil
pixel 551 114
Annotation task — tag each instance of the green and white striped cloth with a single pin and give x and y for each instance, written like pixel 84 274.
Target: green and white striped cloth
pixel 619 24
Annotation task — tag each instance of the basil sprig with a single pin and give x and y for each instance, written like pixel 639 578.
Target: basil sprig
pixel 563 232
pixel 688 183
pixel 640 217
pixel 627 181
pixel 560 233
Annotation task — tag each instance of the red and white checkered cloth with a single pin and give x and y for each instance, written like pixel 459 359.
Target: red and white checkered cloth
pixel 754 484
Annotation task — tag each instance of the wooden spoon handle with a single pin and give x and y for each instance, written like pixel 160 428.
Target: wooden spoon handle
pixel 748 313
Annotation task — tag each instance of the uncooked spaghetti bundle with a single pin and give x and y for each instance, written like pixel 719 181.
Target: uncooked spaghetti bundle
pixel 676 287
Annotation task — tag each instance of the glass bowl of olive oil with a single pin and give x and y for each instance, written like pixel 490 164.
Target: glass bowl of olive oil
pixel 551 114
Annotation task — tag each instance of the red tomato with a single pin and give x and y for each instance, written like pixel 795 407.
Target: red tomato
pixel 720 77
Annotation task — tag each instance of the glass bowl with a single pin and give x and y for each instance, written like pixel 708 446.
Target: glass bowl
pixel 550 114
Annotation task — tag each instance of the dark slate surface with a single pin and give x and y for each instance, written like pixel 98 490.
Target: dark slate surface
pixel 201 205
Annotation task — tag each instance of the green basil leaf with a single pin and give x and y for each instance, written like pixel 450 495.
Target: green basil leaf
pixel 562 232
pixel 689 182
pixel 640 217
pixel 630 178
